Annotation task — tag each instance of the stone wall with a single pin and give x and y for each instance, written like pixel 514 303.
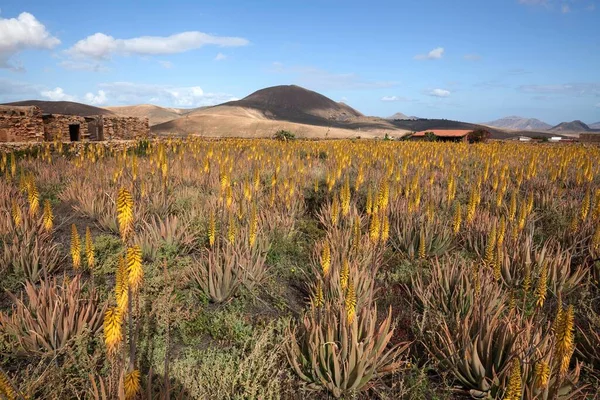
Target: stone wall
pixel 29 124
pixel 21 124
pixel 124 127
pixel 589 137
pixel 56 127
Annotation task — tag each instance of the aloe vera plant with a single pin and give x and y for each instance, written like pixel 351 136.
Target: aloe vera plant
pixel 328 352
pixel 52 315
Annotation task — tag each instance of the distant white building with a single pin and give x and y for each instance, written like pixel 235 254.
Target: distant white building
pixel 555 139
pixel 524 139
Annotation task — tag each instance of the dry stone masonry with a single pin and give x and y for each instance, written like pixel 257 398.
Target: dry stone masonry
pixel 29 124
pixel 21 124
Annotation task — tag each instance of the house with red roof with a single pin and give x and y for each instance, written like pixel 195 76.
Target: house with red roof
pixel 444 135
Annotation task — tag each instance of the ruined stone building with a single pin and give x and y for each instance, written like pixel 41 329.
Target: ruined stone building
pixel 29 124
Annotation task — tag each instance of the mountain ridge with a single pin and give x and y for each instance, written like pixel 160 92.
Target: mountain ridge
pixel 515 122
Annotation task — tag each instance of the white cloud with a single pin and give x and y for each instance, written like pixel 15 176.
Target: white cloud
pixel 220 57
pixel 434 54
pixel 57 94
pixel 565 9
pixel 438 93
pixel 166 64
pixel 83 66
pixel 393 98
pixel 21 33
pixel 319 79
pixel 174 96
pixel 472 57
pixel 96 99
pixel 102 46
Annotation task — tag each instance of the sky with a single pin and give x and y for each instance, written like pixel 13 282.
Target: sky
pixel 464 60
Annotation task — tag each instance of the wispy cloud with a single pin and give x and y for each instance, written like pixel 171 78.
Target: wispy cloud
pixel 100 46
pixel 21 33
pixel 562 6
pixel 394 98
pixel 166 64
pixel 438 93
pixel 11 90
pixel 220 57
pixel 175 96
pixel 320 79
pixel 81 65
pixel 472 57
pixel 574 89
pixel 434 54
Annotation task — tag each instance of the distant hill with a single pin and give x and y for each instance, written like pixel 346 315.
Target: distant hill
pixel 155 114
pixel 595 125
pixel 519 123
pixel 296 104
pixel 306 113
pixel 63 107
pixel 400 115
pixel 573 126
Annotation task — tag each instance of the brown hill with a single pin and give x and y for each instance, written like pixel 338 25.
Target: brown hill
pixel 296 104
pixel 155 114
pixel 234 121
pixel 63 107
pixel 573 126
pixel 304 112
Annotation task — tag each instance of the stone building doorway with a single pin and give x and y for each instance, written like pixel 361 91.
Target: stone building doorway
pixel 74 134
pixel 95 130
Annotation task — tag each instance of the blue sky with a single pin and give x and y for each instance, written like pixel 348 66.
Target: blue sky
pixel 465 60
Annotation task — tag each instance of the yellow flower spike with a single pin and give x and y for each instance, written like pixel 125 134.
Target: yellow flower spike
pixel 344 274
pixel 134 268
pixel 514 389
pixel 122 286
pixel 457 220
pixel 131 384
pixel 125 213
pixel 33 197
pixel 212 228
pixel 541 374
pixel 325 259
pixel 112 330
pixel 350 303
pixel 47 217
pixel 253 226
pixel 89 249
pixel 75 247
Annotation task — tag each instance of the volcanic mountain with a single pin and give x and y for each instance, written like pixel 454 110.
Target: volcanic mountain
pixel 63 107
pixel 290 107
pixel 573 126
pixel 520 124
pixel 294 103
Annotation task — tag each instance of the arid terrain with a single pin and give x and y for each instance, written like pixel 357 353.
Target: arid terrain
pixel 272 269
pixel 303 112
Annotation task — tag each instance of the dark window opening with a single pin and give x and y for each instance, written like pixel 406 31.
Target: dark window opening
pixel 74 133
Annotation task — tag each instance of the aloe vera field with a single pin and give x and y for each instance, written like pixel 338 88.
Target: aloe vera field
pixel 269 269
